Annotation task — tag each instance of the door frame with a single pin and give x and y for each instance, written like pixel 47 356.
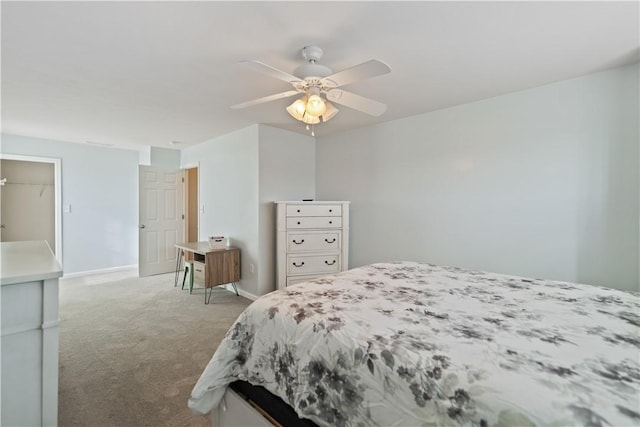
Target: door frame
pixel 57 181
pixel 184 168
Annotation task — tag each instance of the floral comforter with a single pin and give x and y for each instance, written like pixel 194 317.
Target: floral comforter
pixel 408 344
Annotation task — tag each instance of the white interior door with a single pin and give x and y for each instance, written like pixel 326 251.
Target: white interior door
pixel 161 219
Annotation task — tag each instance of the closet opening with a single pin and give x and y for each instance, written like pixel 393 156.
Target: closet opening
pixel 30 200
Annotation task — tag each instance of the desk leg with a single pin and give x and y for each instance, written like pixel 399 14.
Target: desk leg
pixel 180 253
pixel 190 278
pixel 187 269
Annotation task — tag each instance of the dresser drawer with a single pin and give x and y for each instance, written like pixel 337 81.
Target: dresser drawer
pixel 314 210
pixel 313 264
pixel 314 222
pixel 310 241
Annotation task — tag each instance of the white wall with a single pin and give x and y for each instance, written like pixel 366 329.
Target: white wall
pixel 541 183
pixel 228 193
pixel 101 185
pixel 164 157
pixel 287 172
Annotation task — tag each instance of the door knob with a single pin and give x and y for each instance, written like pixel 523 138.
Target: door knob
pixel 141 226
pixel 2 226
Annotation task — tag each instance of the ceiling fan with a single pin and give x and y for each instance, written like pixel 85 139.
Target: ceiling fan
pixel 319 85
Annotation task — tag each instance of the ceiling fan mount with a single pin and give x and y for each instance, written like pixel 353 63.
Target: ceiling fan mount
pixel 319 84
pixel 312 69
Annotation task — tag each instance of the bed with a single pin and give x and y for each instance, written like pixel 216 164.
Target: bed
pixel 407 344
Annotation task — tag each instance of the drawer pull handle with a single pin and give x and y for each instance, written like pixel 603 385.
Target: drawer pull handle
pixel 330 263
pixel 301 264
pixel 298 243
pixel 330 210
pixel 330 222
pixel 298 210
pixel 333 241
pixel 298 222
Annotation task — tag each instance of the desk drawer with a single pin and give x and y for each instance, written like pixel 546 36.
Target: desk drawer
pixel 313 264
pixel 313 241
pixel 314 210
pixel 198 273
pixel 314 222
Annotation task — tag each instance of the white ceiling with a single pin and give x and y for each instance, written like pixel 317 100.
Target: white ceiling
pixel 147 73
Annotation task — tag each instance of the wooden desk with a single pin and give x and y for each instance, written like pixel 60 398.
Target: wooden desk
pixel 211 267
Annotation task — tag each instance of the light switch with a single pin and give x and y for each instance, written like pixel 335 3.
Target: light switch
pixel 66 208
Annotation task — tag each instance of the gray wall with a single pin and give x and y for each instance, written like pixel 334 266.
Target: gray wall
pixel 540 183
pixel 228 193
pixel 287 172
pixel 101 185
pixel 241 175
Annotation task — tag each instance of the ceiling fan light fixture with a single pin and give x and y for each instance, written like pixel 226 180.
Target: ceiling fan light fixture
pixel 310 120
pixel 316 106
pixel 297 108
pixel 330 111
pixel 316 83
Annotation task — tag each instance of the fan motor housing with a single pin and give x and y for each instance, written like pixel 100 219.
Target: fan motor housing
pixel 312 70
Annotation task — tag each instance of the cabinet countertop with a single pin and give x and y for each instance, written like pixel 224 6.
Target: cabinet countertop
pixel 27 261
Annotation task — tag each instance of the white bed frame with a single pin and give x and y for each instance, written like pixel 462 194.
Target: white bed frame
pixel 235 411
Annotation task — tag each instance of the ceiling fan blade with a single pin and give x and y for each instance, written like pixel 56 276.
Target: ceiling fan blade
pixel 363 71
pixel 270 71
pixel 357 102
pixel 265 99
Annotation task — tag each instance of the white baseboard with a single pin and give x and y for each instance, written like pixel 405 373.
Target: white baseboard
pixel 100 271
pixel 248 295
pixel 229 287
pixel 245 294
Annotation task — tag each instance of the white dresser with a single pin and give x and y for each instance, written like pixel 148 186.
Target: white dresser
pixel 312 240
pixel 29 301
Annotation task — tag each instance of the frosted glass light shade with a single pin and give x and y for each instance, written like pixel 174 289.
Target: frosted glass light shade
pixel 315 106
pixel 297 109
pixel 310 120
pixel 329 112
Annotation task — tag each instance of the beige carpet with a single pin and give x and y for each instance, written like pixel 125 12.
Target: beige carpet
pixel 132 349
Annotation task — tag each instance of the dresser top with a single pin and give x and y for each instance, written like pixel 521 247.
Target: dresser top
pixel 27 261
pixel 314 202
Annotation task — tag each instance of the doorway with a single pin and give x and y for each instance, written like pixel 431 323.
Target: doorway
pixel 191 204
pixel 30 199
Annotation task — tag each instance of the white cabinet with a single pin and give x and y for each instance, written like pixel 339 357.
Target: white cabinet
pixel 312 240
pixel 29 340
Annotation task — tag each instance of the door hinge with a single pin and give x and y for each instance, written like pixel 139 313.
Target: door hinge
pixel 182 179
pixel 182 216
